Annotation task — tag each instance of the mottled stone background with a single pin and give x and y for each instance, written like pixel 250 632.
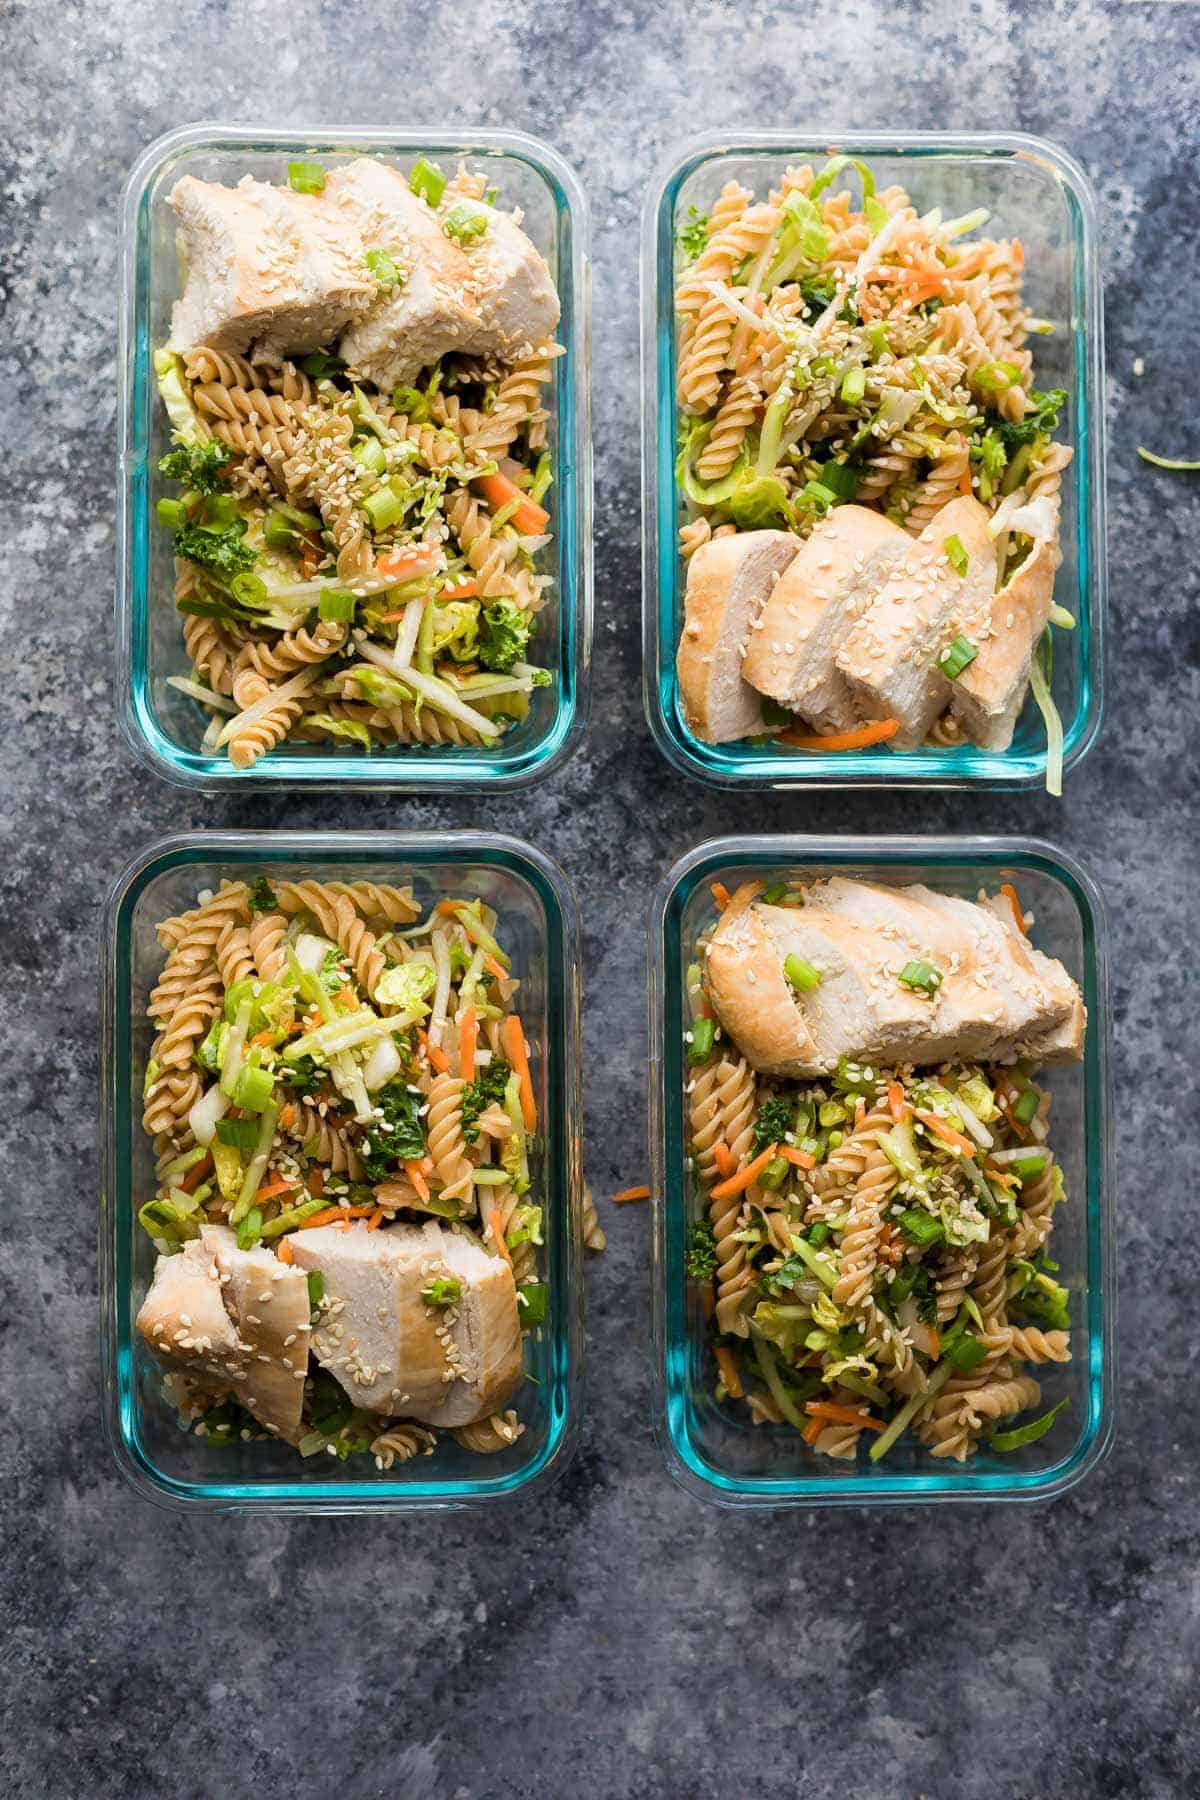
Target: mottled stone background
pixel 614 1637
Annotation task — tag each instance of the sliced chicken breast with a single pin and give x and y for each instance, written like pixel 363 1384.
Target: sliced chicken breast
pixel 989 694
pixel 184 1321
pixel 268 1303
pixel 393 1351
pixel 1061 1041
pixel 890 655
pixel 267 272
pixel 729 581
pixel 434 309
pixel 830 582
pixel 514 295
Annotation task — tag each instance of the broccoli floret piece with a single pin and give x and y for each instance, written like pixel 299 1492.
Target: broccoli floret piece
pixel 478 1095
pixel 223 552
pixel 262 895
pixel 693 233
pixel 399 1136
pixel 700 1257
pixel 773 1123
pixel 1040 420
pixel 503 634
pixel 197 466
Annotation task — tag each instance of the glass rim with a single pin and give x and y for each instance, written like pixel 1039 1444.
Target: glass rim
pixel 119 1401
pixel 402 768
pixel 991 771
pixel 940 1487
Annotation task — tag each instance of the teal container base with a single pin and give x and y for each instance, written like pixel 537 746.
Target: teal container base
pixel 539 922
pixel 712 1448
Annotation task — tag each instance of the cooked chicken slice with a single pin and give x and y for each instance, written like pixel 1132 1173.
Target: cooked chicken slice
pixel 515 297
pixel 890 656
pixel 433 310
pixel 858 1008
pixel 990 692
pixel 1039 996
pixel 729 579
pixel 390 1349
pixel 265 270
pixel 825 588
pixel 268 1303
pixel 967 1012
pixel 184 1321
pixel 1060 1042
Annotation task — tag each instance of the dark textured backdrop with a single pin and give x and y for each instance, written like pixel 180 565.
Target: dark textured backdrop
pixel 613 1637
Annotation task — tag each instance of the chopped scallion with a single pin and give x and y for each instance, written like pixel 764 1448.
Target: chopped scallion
pixel 250 589
pixel 427 181
pixel 1026 1108
pixel 466 222
pixel 920 1227
pixel 959 560
pixel 172 514
pixel 306 178
pixel 703 1034
pixel 384 269
pixel 922 977
pixel 802 975
pixel 383 508
pixel 960 654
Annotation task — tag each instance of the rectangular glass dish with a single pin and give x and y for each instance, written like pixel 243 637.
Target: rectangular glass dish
pixel 714 1450
pixel 538 916
pixel 1033 190
pixel 164 726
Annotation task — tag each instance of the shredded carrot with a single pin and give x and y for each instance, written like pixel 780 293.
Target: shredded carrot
pixel 877 732
pixel 529 518
pixel 416 1175
pixel 406 564
pixel 283 1250
pixel 720 894
pixel 1010 894
pixel 468 1038
pixel 895 1099
pixel 946 1132
pixel 271 1189
pixel 964 481
pixel 466 590
pixel 263 1037
pixel 494 968
pixel 812 1431
pixel 724 1158
pixel 496 1221
pixel 727 1363
pixel 287 1115
pixel 447 908
pixel 843 1415
pixel 194 1177
pixel 334 1215
pixel 438 1058
pixel 737 1184
pixel 518 1056
pixel 1020 1130
pixel 799 1159
pixel 631 1193
pixel 316 1179
pixel 375 1220
pixel 935 1344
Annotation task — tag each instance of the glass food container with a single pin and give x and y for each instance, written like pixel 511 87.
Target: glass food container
pixel 540 927
pixel 1032 190
pixel 164 726
pixel 713 1449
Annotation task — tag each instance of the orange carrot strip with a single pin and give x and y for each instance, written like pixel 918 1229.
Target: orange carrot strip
pixel 737 1184
pixel 875 733
pixel 438 1058
pixel 964 481
pixel 287 1115
pixel 468 1038
pixel 724 1159
pixel 895 1099
pixel 946 1132
pixel 844 1415
pixel 406 564
pixel 416 1175
pixel 271 1189
pixel 812 1431
pixel 529 518
pixel 800 1159
pixel 631 1193
pixel 1010 894
pixel 283 1250
pixel 518 1056
pixel 466 590
pixel 333 1214
pixel 375 1220
pixel 195 1176
pixel 720 894
pixel 494 968
pixel 496 1221
pixel 727 1363
pixel 935 1344
pixel 316 1179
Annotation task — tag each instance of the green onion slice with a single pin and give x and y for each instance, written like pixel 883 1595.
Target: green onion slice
pixel 960 654
pixel 959 560
pixel 922 977
pixel 1026 1434
pixel 802 975
pixel 306 177
pixel 1167 462
pixel 427 181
